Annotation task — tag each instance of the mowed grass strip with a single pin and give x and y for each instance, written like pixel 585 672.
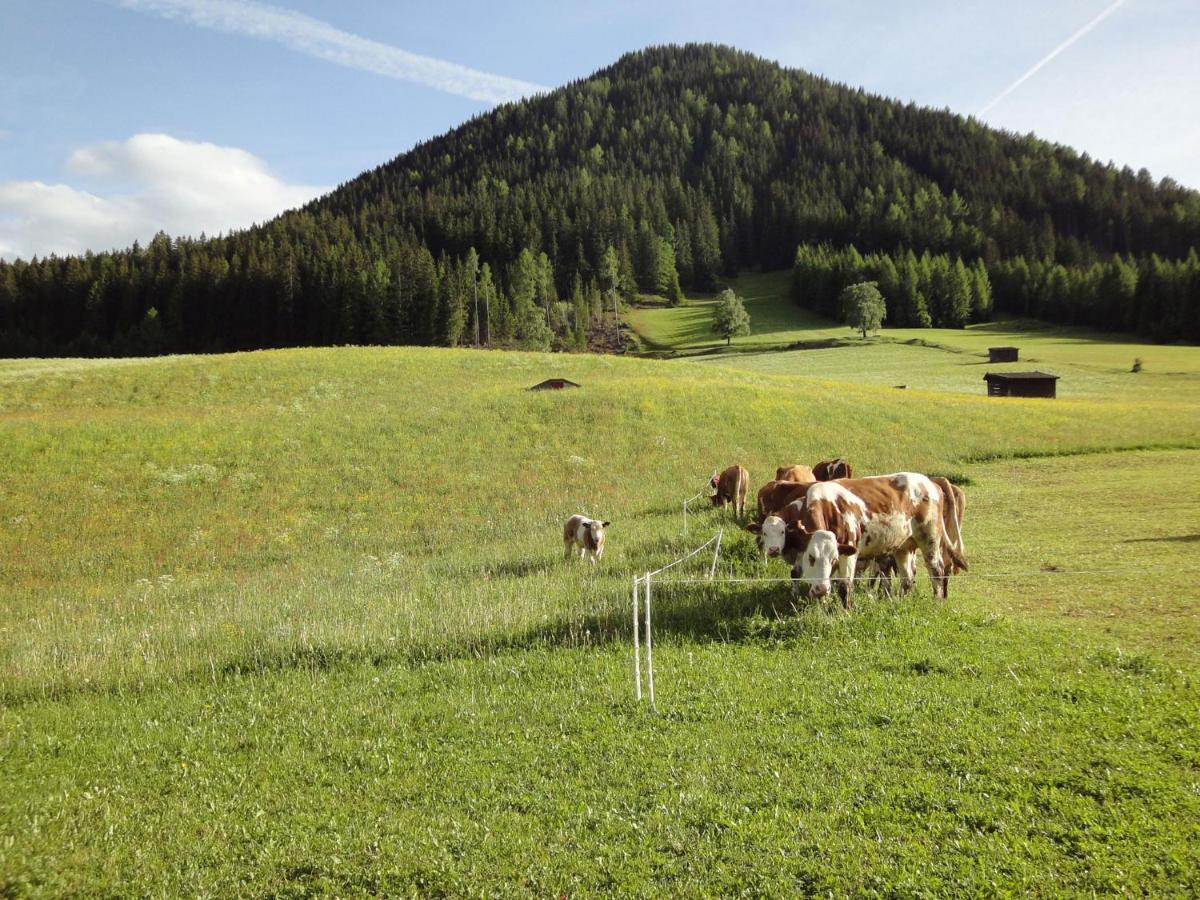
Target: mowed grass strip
pixel 187 517
pixel 906 748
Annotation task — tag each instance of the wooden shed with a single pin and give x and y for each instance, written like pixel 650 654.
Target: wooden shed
pixel 553 384
pixel 1021 384
pixel 1003 354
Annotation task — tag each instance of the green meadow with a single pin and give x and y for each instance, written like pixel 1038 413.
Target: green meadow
pixel 787 339
pixel 298 622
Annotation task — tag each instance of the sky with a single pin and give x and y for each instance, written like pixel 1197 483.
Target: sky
pixel 120 118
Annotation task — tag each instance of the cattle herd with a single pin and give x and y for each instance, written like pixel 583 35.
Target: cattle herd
pixel 824 521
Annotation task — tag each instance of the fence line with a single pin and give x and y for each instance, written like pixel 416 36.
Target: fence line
pixel 671 565
pixel 1037 574
pixel 645 580
pixel 688 501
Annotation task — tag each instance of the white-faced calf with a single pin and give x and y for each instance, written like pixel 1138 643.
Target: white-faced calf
pixel 586 534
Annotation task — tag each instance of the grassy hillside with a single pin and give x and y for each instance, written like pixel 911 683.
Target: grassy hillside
pixel 298 621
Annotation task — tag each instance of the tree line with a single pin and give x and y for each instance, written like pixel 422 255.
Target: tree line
pixel 1152 296
pixel 671 169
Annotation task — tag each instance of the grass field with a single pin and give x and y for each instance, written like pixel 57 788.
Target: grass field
pixel 297 622
pixel 1091 364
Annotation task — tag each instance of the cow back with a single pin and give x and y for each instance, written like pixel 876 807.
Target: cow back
pixel 831 469
pixel 775 495
pixel 795 473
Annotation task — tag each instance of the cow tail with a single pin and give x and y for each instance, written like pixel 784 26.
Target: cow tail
pixel 739 496
pixel 951 524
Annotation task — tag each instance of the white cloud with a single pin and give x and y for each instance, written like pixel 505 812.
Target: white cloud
pixel 148 183
pixel 305 34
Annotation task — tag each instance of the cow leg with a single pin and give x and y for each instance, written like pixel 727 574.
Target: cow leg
pixel 929 539
pixel 845 579
pixel 567 542
pixel 937 574
pixel 902 561
pixel 937 570
pixel 881 575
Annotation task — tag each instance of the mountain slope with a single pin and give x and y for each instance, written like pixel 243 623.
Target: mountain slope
pixel 688 162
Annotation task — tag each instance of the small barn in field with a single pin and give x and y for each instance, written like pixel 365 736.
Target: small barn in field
pixel 1003 354
pixel 553 384
pixel 1021 384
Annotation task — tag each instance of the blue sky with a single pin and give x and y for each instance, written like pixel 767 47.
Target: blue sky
pixel 120 117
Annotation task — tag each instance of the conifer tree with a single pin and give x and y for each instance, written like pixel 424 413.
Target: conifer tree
pixel 730 318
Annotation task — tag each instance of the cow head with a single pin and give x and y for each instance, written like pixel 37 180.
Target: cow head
pixel 772 535
pixel 817 554
pixel 595 533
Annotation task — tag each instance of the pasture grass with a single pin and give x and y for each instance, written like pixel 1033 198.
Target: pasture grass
pixel 904 749
pixel 195 515
pixel 297 622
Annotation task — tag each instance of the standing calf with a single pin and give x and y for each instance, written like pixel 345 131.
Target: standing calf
pixel 587 533
pixel 731 486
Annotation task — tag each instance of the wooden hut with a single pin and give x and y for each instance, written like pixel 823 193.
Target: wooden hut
pixel 1003 354
pixel 1021 384
pixel 553 384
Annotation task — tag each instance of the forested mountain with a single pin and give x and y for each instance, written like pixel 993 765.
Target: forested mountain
pixel 674 166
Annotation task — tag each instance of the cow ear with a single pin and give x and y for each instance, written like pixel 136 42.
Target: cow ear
pixel 605 524
pixel 847 549
pixel 754 528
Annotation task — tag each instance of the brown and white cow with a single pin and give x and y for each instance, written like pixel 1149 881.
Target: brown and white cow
pixel 793 532
pixel 887 516
pixel 731 487
pixel 795 473
pixel 775 495
pixel 831 469
pixel 954 501
pixel 587 534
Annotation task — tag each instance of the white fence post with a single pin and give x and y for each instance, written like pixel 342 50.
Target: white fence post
pixel 716 553
pixel 649 643
pixel 637 650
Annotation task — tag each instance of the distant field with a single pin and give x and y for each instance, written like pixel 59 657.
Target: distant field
pixel 298 621
pixel 1091 364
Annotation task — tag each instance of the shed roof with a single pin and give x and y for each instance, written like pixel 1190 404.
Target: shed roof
pixel 553 383
pixel 1020 376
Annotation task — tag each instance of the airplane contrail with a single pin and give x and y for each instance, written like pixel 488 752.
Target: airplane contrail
pixel 1049 56
pixel 313 37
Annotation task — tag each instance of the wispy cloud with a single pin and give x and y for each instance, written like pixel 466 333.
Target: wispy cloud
pixel 1033 70
pixel 146 184
pixel 304 34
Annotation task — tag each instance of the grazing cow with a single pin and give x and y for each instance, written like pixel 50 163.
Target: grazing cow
pixel 795 473
pixel 783 535
pixel 775 495
pixel 731 486
pixel 830 469
pixel 887 516
pixel 954 501
pixel 587 533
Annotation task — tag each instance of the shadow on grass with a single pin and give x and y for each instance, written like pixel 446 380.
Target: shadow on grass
pixel 1174 538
